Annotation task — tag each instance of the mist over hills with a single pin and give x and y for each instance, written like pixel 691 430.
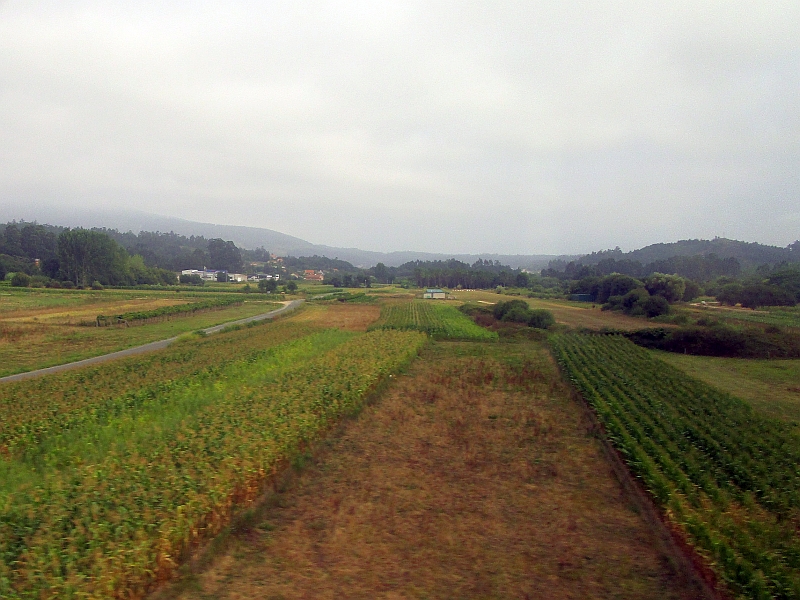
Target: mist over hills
pixel 749 254
pixel 255 237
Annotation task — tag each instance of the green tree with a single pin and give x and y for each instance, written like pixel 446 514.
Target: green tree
pixel 267 286
pixel 37 242
pixel 669 287
pixel 12 241
pixel 291 287
pixel 381 273
pixel 86 256
pixel 692 291
pixel 615 285
pixel 224 255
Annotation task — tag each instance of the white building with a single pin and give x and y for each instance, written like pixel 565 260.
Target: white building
pixel 435 293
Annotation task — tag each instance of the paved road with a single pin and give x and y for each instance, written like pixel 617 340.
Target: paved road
pixel 146 348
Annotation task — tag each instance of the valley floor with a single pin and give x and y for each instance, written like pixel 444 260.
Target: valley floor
pixel 475 475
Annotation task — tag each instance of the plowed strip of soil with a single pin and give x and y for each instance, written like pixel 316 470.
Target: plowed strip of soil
pixel 474 476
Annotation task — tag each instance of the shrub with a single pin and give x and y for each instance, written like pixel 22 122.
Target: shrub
pixel 692 291
pixel 39 281
pixel 268 286
pixel 541 319
pixel 96 285
pixel 191 279
pixel 655 306
pixel 501 308
pixel 68 284
pixel 20 279
pixel 721 340
pixel 517 314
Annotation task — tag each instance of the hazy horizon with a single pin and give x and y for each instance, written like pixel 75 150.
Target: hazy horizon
pixel 516 128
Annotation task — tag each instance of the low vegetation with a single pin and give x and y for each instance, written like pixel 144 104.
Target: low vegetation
pixel 44 327
pixel 772 386
pixel 439 320
pixel 109 504
pixel 724 474
pixel 721 340
pixel 473 476
pixel 164 312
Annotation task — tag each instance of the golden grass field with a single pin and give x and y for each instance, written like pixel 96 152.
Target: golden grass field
pixel 41 328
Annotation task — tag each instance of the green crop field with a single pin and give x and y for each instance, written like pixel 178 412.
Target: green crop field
pixel 441 321
pixel 109 475
pixel 727 476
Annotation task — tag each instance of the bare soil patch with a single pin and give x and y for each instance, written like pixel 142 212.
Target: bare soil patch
pixel 476 475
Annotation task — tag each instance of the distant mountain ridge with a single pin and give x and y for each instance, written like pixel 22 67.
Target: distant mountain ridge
pixel 255 237
pixel 749 254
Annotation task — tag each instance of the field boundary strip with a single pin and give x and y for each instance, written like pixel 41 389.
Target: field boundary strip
pixel 673 543
pixel 165 312
pixel 152 346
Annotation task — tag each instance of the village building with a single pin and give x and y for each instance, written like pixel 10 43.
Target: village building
pixel 312 275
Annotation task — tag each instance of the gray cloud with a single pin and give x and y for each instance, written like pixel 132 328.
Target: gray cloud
pixel 514 127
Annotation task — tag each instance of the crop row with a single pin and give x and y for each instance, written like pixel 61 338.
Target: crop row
pixel 167 311
pixel 34 408
pixel 436 319
pixel 728 476
pixel 112 526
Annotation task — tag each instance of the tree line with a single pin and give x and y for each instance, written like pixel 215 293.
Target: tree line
pixel 83 257
pixel 169 251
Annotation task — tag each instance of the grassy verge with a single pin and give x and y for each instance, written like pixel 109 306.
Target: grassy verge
pixel 772 387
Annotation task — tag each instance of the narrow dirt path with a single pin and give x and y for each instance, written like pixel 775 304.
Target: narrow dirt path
pixel 287 305
pixel 476 475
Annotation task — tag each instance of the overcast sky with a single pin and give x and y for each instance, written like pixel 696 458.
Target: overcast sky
pixel 511 127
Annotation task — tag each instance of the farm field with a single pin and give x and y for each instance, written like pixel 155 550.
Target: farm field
pixel 351 317
pixel 772 387
pixel 109 476
pixel 475 475
pixel 41 328
pixel 572 314
pixel 779 316
pixel 441 321
pixel 724 474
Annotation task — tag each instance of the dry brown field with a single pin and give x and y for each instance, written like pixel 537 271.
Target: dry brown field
pixel 350 317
